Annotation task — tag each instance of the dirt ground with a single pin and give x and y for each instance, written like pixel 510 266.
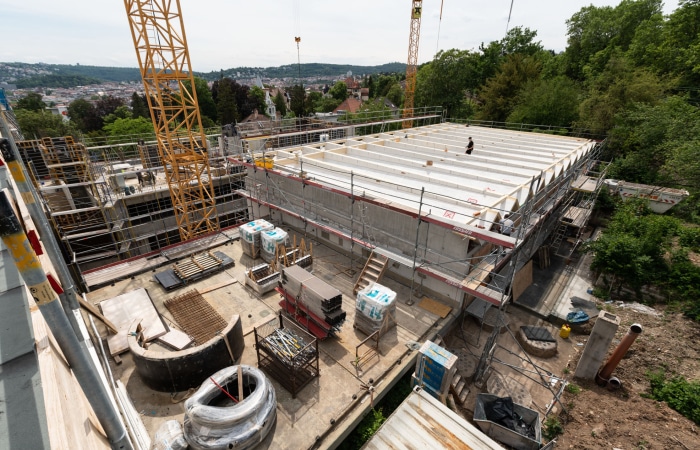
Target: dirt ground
pixel 601 419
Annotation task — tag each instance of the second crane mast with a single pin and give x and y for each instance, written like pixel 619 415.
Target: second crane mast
pixel 412 64
pixel 161 48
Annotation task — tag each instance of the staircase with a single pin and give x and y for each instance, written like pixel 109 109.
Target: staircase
pixel 459 389
pixel 372 272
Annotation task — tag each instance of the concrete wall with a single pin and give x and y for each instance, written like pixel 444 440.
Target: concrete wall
pixel 181 370
pixel 390 229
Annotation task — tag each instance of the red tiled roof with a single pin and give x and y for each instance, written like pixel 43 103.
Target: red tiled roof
pixel 350 105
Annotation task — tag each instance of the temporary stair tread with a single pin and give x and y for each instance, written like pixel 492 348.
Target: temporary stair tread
pixel 372 271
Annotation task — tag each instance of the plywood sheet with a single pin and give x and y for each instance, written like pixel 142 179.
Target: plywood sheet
pixel 434 307
pixel 123 309
pixel 522 280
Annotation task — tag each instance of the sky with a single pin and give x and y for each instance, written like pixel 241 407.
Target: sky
pixel 223 34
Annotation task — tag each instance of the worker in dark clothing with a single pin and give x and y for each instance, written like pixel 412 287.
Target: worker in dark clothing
pixel 506 225
pixel 470 146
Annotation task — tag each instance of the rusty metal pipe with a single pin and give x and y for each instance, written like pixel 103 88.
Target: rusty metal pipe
pixel 617 355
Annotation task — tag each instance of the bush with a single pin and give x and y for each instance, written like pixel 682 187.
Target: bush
pixel 690 237
pixel 552 428
pixel 573 389
pixel 371 422
pixel 679 393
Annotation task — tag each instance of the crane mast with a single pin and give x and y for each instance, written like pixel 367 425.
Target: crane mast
pixel 411 66
pixel 161 48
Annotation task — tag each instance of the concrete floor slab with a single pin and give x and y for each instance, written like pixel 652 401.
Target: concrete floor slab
pixel 328 405
pixel 326 409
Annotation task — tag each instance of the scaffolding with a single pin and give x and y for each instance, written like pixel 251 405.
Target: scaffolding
pixel 111 202
pixel 332 188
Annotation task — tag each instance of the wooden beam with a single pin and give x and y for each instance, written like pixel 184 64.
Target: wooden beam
pixel 94 311
pixel 217 286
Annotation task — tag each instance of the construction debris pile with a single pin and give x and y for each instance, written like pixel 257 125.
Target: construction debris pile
pixel 375 309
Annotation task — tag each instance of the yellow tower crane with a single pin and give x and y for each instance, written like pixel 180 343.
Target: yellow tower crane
pixel 161 48
pixel 411 66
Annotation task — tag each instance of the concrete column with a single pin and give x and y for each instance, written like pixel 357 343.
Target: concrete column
pixel 597 346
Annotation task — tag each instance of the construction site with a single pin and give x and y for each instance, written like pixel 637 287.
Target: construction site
pixel 265 289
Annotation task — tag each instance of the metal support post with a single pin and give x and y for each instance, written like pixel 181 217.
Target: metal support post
pixel 33 274
pixel 352 222
pixel 410 302
pixel 69 298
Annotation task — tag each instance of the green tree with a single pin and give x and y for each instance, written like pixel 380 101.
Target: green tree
pixel 339 91
pixel 631 250
pixel 205 100
pixel 84 115
pixel 225 98
pixel 326 104
pixel 280 104
pixel 107 105
pixel 499 94
pixel 448 81
pixel 296 104
pixel 121 112
pixel 313 102
pixel 139 106
pixel 41 124
pixel 679 52
pixel 128 126
pixel 384 83
pixel 31 102
pixel 372 85
pixel 245 104
pixel 256 98
pixel 657 143
pixel 547 102
pixel 395 95
pixel 596 32
pixel 618 87
pixel 518 40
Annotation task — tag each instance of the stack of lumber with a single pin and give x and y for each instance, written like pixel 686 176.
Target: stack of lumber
pixel 197 265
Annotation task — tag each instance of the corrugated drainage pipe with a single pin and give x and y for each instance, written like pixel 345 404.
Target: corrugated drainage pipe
pixel 617 355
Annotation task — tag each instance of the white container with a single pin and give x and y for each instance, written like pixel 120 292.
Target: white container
pixel 250 231
pixel 375 300
pixel 271 239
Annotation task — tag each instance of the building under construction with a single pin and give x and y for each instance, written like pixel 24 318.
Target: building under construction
pixel 413 197
pixel 404 207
